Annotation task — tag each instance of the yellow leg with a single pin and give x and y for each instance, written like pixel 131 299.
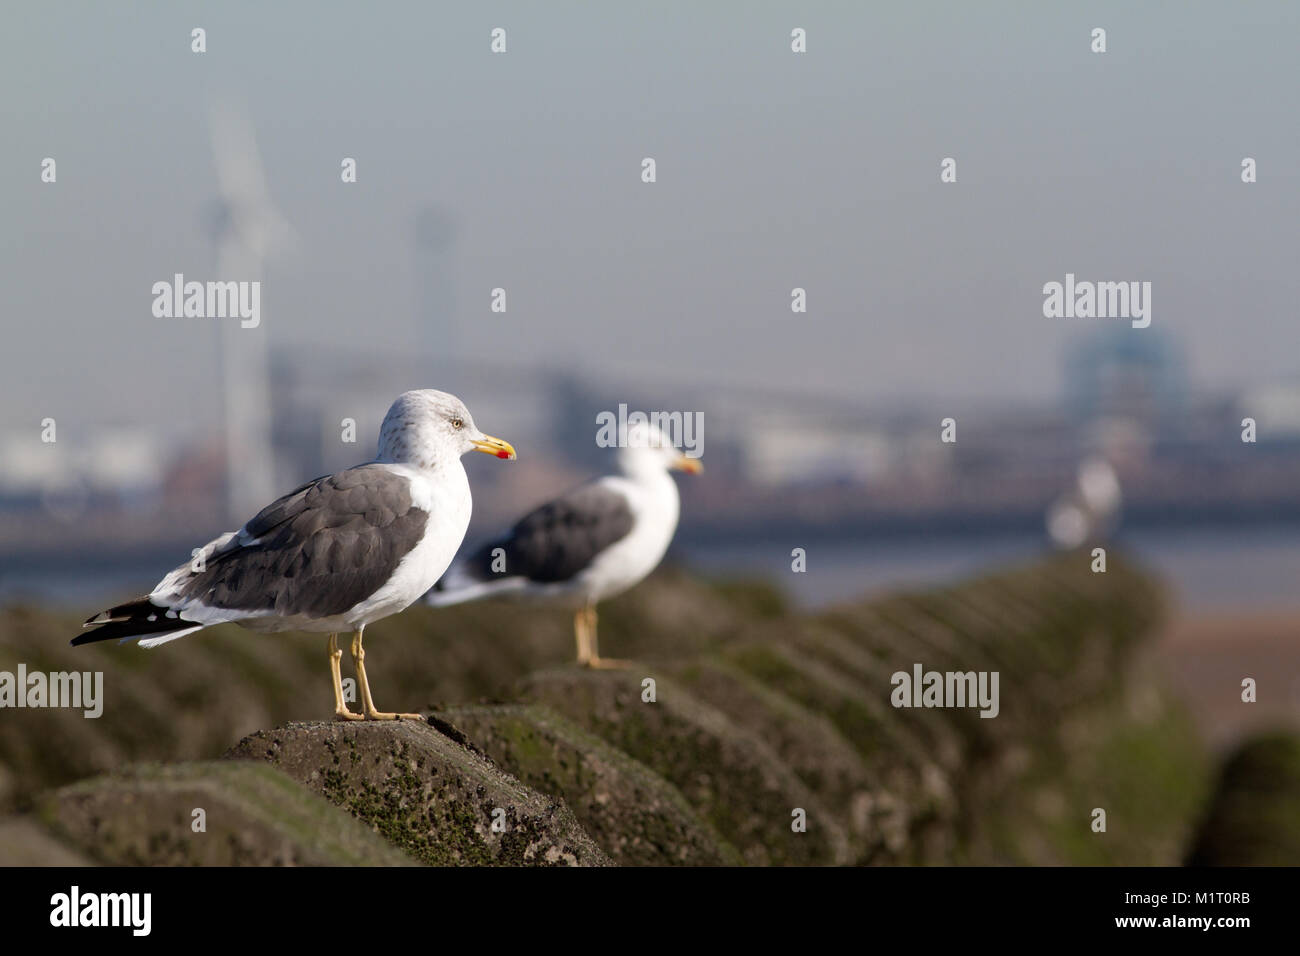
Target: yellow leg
pixel 367 702
pixel 341 711
pixel 594 660
pixel 582 632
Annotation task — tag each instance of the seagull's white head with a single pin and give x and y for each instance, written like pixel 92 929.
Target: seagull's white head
pixel 426 428
pixel 648 450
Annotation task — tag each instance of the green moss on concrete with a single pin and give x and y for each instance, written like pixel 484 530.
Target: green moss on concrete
pixel 426 794
pixel 635 815
pixel 874 803
pixel 730 776
pixel 253 815
pixel 1146 770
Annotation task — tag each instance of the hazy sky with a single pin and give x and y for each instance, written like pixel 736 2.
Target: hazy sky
pixel 775 170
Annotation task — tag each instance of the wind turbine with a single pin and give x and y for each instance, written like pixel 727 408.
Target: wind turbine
pixel 249 230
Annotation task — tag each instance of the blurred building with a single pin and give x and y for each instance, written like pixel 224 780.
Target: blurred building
pixel 1116 371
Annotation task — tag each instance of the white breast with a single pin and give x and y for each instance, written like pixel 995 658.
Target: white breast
pixel 655 508
pixel 444 494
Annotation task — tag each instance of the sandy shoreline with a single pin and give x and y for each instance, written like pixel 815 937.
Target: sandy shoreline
pixel 1204 656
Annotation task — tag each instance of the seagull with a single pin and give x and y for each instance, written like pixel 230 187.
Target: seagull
pixel 334 555
pixel 1089 511
pixel 590 544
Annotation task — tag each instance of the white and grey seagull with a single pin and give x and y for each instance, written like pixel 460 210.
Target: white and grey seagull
pixel 1087 513
pixel 590 544
pixel 336 554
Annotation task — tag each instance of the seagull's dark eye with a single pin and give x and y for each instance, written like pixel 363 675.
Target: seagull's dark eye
pixel 457 423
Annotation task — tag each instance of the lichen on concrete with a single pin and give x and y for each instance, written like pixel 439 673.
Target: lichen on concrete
pixel 634 814
pixel 426 794
pixel 731 776
pixel 214 813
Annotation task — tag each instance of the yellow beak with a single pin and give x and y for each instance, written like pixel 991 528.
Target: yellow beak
pixel 692 466
pixel 495 446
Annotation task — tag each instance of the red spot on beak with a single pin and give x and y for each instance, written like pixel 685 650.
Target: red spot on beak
pixel 501 454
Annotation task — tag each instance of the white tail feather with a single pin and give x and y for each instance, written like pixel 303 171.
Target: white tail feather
pixel 164 638
pixel 460 593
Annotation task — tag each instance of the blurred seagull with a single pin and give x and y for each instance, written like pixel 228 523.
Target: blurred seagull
pixel 590 544
pixel 334 555
pixel 1089 511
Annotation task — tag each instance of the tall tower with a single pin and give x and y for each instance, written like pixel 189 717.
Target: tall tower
pixel 248 230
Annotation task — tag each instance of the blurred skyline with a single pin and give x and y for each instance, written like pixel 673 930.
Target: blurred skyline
pixel 775 170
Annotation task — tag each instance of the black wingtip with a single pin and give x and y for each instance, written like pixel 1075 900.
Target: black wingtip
pixel 89 638
pixel 128 621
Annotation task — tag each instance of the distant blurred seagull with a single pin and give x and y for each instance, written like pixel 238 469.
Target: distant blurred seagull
pixel 585 546
pixel 1089 511
pixel 334 555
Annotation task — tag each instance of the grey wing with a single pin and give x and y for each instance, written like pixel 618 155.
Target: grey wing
pixel 318 551
pixel 561 538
